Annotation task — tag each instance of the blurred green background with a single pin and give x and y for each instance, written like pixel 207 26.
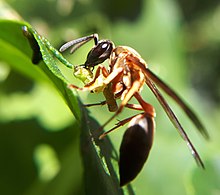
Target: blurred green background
pixel 180 40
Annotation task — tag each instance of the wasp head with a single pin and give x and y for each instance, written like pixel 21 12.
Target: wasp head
pixel 99 53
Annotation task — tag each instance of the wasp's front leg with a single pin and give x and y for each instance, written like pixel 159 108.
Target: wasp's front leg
pixel 98 84
pixel 95 84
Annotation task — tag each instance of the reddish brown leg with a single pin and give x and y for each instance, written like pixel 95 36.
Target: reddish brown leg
pixel 100 69
pixel 148 109
pixel 119 124
pixel 134 106
pixel 92 86
pixel 127 97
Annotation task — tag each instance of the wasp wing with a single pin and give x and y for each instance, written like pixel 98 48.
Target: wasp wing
pixel 175 121
pixel 149 81
pixel 179 101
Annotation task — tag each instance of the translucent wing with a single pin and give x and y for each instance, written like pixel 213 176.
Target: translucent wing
pixel 149 75
pixel 175 121
pixel 179 101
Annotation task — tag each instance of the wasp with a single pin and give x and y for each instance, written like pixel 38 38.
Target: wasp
pixel 124 79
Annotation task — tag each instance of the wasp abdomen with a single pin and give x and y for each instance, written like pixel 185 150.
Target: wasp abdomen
pixel 135 147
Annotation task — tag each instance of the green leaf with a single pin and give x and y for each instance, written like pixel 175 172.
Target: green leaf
pixel 99 157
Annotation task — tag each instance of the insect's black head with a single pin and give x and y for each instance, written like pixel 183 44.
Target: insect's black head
pixel 99 53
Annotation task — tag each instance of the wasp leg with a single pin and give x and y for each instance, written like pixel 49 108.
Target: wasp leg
pixel 129 94
pixel 134 106
pixel 91 85
pixel 96 104
pixel 101 70
pixel 117 125
pixel 149 111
